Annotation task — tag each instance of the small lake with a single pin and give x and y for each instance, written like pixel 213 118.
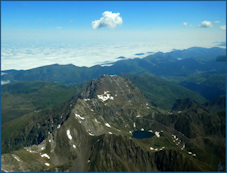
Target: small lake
pixel 142 134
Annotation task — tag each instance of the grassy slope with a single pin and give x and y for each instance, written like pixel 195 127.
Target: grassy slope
pixel 20 98
pixel 162 92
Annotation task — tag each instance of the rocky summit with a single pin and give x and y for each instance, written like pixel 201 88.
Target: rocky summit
pixel 93 132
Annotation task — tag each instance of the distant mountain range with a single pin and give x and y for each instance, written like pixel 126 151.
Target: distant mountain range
pixel 178 64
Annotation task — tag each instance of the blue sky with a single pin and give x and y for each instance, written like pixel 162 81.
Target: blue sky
pixel 152 16
pixel 190 23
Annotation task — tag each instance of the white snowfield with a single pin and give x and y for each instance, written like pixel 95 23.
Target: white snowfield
pixel 190 153
pixel 69 135
pixel 110 133
pixel 86 100
pixel 107 125
pixel 29 150
pixel 15 157
pixel 104 97
pixel 96 121
pixel 156 149
pixel 59 125
pixel 45 155
pixel 91 134
pixel 74 146
pixel 183 147
pixel 47 164
pixel 134 125
pixel 176 140
pixel 142 129
pixel 157 134
pixel 78 116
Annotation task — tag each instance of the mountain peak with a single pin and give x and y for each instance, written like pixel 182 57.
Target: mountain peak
pixel 109 87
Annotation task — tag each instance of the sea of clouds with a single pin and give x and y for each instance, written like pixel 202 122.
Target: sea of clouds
pixel 28 55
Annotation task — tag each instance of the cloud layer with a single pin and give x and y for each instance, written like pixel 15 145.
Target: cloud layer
pixel 32 55
pixel 109 19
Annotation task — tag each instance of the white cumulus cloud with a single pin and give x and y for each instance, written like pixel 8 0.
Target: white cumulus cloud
pixel 223 27
pixel 185 23
pixel 109 19
pixel 206 24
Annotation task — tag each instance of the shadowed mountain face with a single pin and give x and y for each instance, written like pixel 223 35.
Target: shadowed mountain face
pixel 93 132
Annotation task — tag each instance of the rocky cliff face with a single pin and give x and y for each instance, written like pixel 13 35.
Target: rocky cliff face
pixel 93 132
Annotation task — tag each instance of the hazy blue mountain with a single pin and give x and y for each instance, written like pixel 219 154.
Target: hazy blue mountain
pixel 192 61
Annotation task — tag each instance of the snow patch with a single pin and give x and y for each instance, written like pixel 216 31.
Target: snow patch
pixel 107 125
pixel 190 153
pixel 138 116
pixel 91 134
pixel 29 150
pixel 157 134
pixel 150 131
pixel 74 146
pixel 130 132
pixel 104 97
pixel 15 157
pixel 88 161
pixel 69 135
pixel 78 116
pixel 59 125
pixel 134 125
pixel 43 148
pixel 45 155
pixel 183 147
pixel 110 133
pixel 174 136
pixel 156 149
pixel 92 110
pixel 142 129
pixel 86 100
pixel 47 164
pixel 96 121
